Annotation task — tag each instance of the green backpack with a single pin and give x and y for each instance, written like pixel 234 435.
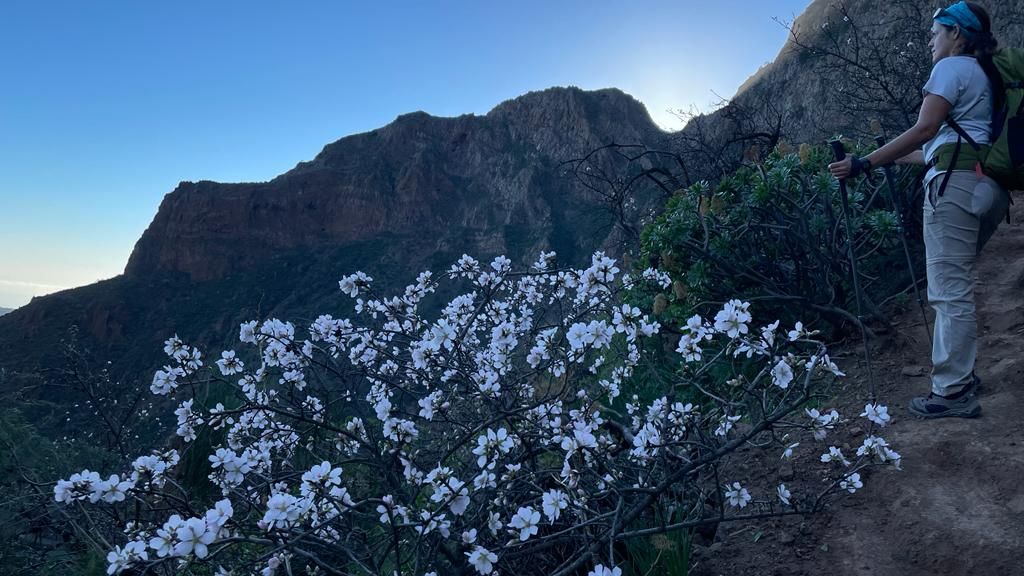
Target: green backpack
pixel 1004 158
pixel 1005 162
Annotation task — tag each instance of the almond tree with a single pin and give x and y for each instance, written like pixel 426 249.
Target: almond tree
pixel 505 434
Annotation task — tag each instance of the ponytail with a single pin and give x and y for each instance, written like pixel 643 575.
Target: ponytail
pixel 983 45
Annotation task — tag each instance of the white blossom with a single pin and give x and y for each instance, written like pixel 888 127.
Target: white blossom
pixel 737 495
pixel 784 494
pixel 525 521
pixel 788 452
pixel 119 559
pixel 544 261
pixel 834 455
pixel 659 277
pixel 247 332
pixel 482 559
pixel 195 537
pixel 851 483
pixel 554 502
pixel 229 364
pixel 797 332
pixel 726 425
pixel 782 374
pixel 602 570
pixel 354 284
pixel 876 413
pixel 879 449
pixel 733 319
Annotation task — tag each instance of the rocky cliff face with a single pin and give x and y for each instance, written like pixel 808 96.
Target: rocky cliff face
pixel 879 62
pixel 413 195
pixel 480 184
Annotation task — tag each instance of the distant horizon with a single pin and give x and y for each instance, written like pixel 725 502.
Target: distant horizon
pixel 120 101
pixel 48 289
pixel 52 289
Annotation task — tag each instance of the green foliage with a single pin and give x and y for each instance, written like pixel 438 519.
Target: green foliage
pixel 665 553
pixel 33 537
pixel 659 554
pixel 882 223
pixel 774 234
pixel 195 462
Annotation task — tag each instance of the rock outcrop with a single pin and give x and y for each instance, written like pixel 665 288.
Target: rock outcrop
pixel 413 195
pixel 477 184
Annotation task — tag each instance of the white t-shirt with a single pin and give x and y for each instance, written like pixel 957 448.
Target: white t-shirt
pixel 963 83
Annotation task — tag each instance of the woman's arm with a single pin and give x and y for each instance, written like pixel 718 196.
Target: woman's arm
pixel 933 113
pixel 915 157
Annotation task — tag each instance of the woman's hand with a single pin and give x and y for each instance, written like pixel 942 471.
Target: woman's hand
pixel 841 169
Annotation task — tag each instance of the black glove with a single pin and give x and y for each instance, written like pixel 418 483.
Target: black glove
pixel 859 166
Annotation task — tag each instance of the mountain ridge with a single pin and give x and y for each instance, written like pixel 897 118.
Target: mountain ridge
pixel 394 178
pixel 412 195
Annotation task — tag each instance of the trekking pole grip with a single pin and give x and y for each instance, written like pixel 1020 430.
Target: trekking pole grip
pixel 837 150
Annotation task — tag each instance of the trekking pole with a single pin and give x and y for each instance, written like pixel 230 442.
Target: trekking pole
pixel 896 201
pixel 840 154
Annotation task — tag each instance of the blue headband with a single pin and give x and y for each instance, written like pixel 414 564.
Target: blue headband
pixel 959 15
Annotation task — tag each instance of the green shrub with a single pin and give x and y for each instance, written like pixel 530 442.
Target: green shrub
pixel 774 234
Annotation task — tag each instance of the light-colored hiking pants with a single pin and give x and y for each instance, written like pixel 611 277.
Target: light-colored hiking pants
pixel 956 226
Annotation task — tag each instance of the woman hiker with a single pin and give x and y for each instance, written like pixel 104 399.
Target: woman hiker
pixel 961 208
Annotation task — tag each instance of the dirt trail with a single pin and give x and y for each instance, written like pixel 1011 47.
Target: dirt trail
pixel 957 507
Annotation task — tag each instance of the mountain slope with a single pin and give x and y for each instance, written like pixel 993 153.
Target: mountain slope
pixel 413 195
pixel 486 184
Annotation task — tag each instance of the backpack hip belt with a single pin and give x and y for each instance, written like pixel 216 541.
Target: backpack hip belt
pixel 947 158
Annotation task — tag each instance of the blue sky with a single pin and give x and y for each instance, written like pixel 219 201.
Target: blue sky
pixel 105 106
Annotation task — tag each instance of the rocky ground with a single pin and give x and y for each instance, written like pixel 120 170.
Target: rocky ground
pixel 957 506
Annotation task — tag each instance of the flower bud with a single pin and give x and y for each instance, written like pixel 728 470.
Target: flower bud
pixel 660 303
pixel 679 289
pixel 805 153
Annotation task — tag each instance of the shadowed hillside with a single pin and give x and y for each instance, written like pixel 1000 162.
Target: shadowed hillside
pixel 413 195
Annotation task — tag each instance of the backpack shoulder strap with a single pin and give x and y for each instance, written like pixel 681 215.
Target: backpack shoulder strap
pixel 962 133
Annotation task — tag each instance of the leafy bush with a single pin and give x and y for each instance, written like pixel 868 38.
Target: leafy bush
pixel 774 234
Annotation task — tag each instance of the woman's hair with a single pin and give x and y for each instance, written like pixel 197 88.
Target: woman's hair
pixel 982 45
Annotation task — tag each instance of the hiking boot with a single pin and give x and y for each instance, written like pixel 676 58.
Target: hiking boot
pixel 974 388
pixel 963 405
